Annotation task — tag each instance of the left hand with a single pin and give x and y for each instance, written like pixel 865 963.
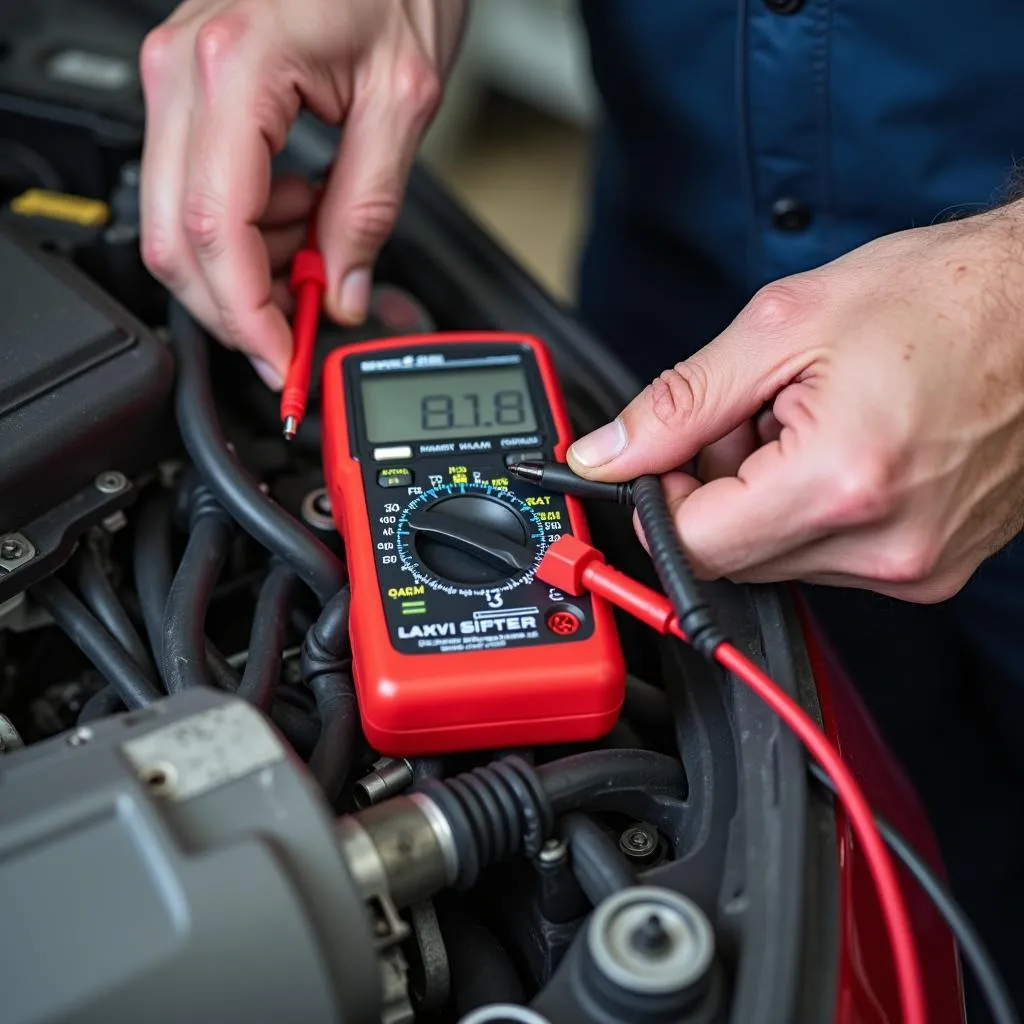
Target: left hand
pixel 892 457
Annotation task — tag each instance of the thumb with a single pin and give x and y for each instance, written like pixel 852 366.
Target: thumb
pixel 704 398
pixel 364 191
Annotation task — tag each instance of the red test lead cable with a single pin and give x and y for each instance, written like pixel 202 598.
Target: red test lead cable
pixel 308 282
pixel 574 567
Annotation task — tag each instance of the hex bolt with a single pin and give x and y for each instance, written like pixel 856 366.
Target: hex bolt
pixel 11 549
pixel 111 482
pixel 639 842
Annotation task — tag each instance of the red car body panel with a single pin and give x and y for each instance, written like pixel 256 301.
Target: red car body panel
pixel 867 982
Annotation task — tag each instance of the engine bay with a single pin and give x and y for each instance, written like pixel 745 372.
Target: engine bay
pixel 240 851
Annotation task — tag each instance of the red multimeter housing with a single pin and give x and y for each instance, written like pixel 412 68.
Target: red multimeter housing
pixel 456 644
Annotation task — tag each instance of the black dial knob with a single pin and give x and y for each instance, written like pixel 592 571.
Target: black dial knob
pixel 471 539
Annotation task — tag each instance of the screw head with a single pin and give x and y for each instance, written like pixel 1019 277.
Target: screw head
pixel 11 549
pixel 554 851
pixel 80 736
pixel 639 842
pixel 111 482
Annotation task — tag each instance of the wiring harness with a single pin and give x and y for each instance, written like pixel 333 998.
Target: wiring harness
pixel 497 811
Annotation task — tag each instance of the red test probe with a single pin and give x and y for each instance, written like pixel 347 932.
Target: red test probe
pixel 308 282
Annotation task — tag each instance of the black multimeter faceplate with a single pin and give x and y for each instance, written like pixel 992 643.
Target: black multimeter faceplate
pixel 457 541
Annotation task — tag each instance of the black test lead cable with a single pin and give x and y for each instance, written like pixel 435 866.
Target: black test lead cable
pixel 978 958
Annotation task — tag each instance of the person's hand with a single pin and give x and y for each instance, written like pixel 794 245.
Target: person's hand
pixel 892 455
pixel 224 80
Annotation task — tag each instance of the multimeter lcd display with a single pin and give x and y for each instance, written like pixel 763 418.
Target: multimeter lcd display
pixel 452 403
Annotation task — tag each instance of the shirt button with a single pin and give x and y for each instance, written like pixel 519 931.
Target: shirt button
pixel 784 6
pixel 789 214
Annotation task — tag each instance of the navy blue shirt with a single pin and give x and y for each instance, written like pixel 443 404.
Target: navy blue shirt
pixel 745 140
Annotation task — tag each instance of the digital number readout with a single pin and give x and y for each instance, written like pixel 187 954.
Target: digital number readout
pixel 441 404
pixel 462 412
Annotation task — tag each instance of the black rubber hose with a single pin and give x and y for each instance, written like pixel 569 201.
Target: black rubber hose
pixel 575 782
pixel 300 729
pixel 508 807
pixel 595 859
pixel 154 573
pixel 325 669
pixel 646 705
pixel 267 638
pixel 257 514
pixel 109 657
pixel 100 598
pixel 100 705
pixel 672 567
pixel 481 971
pixel 184 641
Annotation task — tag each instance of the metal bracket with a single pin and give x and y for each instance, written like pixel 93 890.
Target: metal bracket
pixel 44 545
pixel 15 551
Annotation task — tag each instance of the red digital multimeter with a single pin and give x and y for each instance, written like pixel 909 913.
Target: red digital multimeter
pixel 456 643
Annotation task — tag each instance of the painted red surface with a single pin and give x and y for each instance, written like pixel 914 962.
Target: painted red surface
pixel 867 984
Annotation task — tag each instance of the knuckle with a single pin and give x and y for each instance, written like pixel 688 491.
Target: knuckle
pixel 158 54
pixel 218 39
pixel 860 492
pixel 203 221
pixel 417 86
pixel 370 219
pixel 677 393
pixel 910 560
pixel 160 256
pixel 782 304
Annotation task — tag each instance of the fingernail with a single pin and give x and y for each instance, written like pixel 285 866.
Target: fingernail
pixel 601 446
pixel 267 373
pixel 354 296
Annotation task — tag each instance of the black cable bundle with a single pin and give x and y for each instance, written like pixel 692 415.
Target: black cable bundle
pixel 110 658
pixel 239 494
pixel 267 637
pixel 184 628
pixel 326 667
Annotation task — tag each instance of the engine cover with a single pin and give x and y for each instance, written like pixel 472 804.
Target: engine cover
pixel 84 387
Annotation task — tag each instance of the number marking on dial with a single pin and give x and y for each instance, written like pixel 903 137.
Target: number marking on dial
pixel 410 562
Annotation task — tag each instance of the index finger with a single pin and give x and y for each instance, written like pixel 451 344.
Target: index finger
pixel 768 509
pixel 228 187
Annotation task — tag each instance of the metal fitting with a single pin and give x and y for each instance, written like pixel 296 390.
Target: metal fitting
pixel 640 843
pixel 15 550
pixel 316 510
pixel 651 942
pixel 403 848
pixel 390 776
pixel 111 482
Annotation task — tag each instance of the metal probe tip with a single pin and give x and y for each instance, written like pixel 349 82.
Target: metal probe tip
pixel 291 428
pixel 533 471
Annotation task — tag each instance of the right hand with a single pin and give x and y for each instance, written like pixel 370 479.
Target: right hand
pixel 224 80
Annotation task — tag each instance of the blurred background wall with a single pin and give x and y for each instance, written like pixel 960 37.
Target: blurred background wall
pixel 511 139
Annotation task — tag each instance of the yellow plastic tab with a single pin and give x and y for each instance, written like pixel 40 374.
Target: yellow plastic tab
pixel 40 202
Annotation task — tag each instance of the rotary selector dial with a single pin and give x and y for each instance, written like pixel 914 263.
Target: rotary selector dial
pixel 469 538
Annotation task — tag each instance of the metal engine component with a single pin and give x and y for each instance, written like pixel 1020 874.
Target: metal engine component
pixel 647 954
pixel 178 865
pixel 651 942
pixel 390 776
pixel 404 851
